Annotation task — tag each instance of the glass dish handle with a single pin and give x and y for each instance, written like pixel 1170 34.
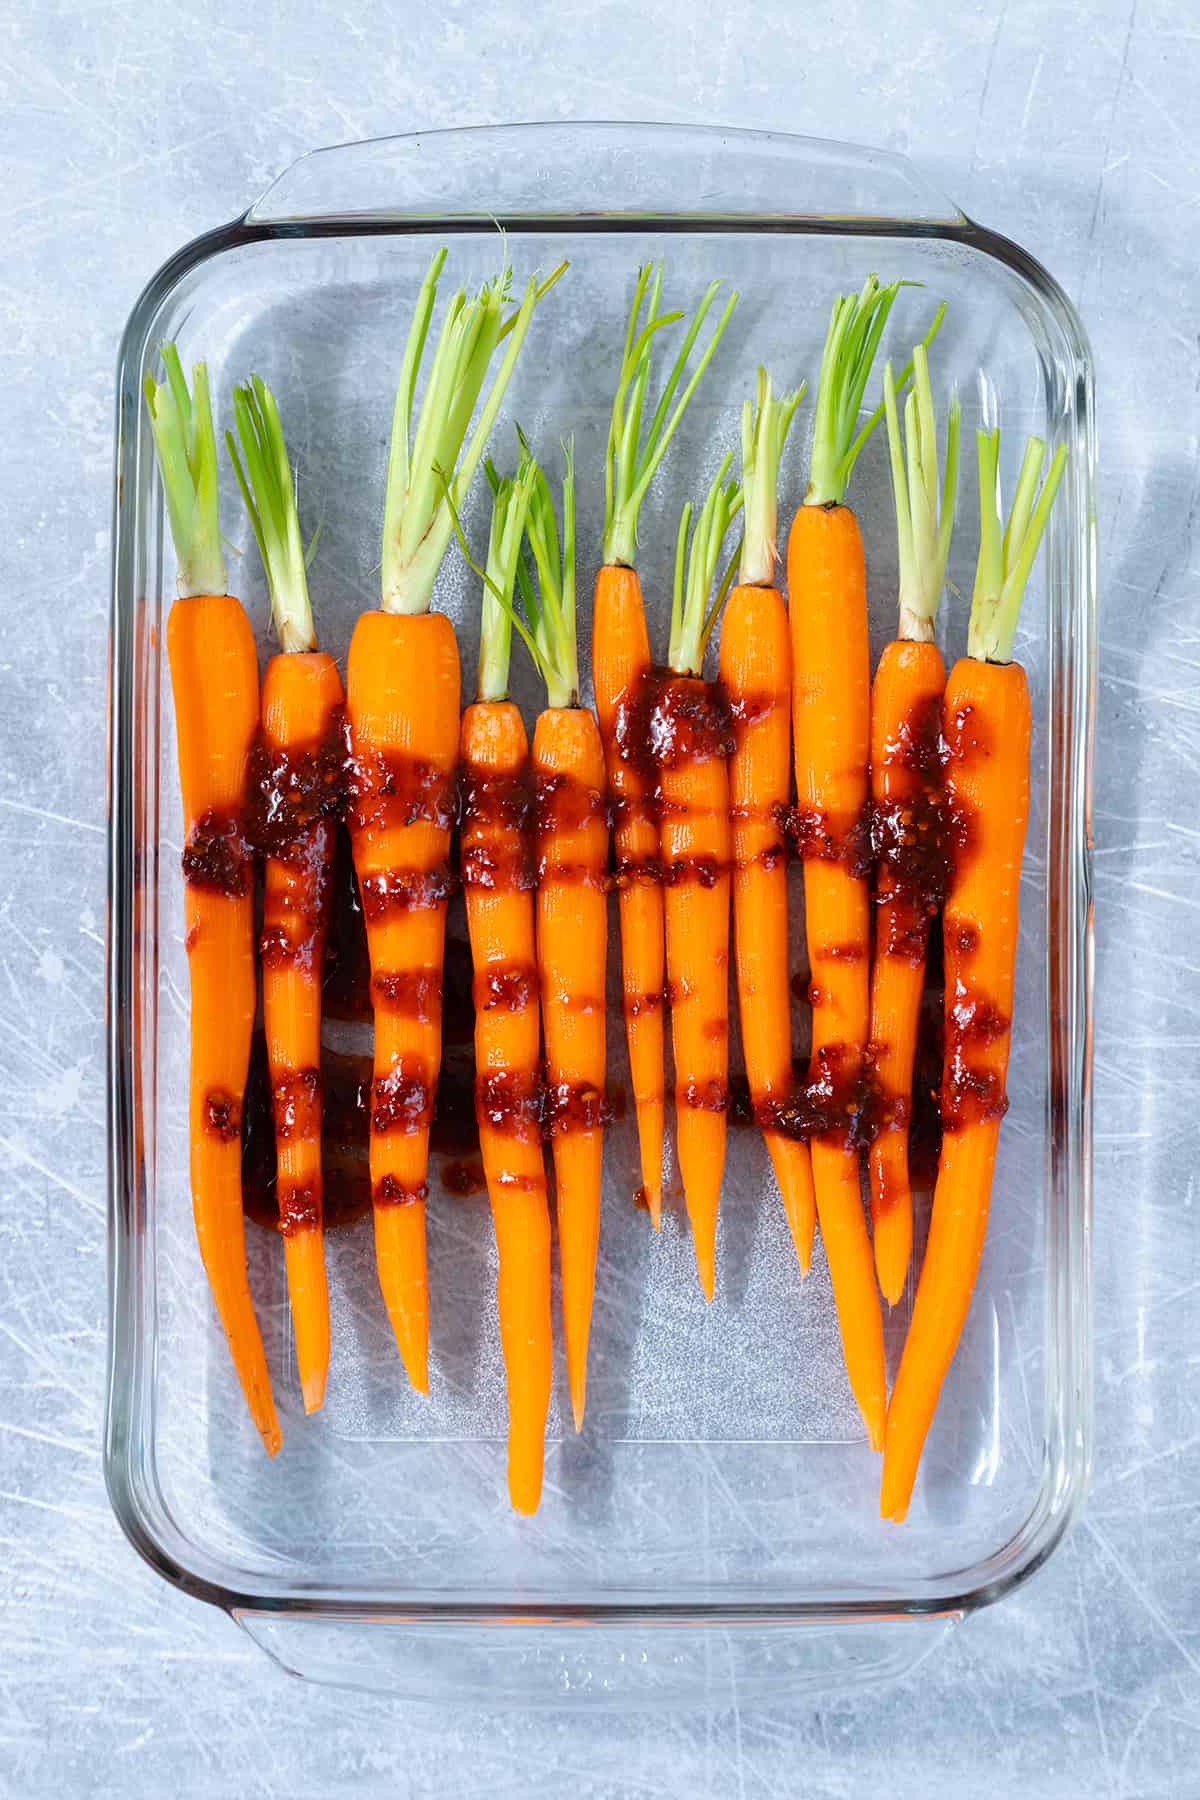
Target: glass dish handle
pixel 532 173
pixel 614 1665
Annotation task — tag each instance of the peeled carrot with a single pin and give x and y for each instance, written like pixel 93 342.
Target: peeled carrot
pixel 214 679
pixel 756 667
pixel 299 794
pixel 692 739
pixel 909 819
pixel 621 658
pixel 620 661
pixel 402 685
pixel 831 732
pixel 572 933
pixel 572 910
pixel 496 852
pixel 986 721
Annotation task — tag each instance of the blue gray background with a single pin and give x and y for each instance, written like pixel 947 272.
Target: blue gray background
pixel 123 132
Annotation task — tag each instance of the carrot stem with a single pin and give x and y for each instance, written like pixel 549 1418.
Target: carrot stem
pixel 632 459
pixel 186 446
pixel 1006 554
pixel 419 507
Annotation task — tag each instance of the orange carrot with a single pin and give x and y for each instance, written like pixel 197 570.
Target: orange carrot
pixel 572 911
pixel 498 882
pixel 402 686
pixel 692 744
pixel 908 817
pixel 297 795
pixel 756 665
pixel 986 721
pixel 831 732
pixel 620 662
pixel 621 659
pixel 214 679
pixel 572 933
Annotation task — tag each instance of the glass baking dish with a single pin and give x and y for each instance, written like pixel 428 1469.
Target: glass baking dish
pixel 721 1504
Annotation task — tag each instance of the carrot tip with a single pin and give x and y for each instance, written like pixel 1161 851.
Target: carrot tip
pixel 312 1388
pixel 272 1439
pixel 579 1400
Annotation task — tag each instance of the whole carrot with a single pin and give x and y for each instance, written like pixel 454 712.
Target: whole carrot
pixel 691 735
pixel 986 722
pixel 756 666
pixel 402 688
pixel 296 796
pixel 572 911
pixel 214 679
pixel 620 664
pixel 909 823
pixel 831 730
pixel 497 876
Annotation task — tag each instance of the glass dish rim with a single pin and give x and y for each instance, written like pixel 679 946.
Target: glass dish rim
pixel 133 1491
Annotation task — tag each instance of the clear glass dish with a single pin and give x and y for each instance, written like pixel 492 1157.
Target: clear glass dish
pixel 722 1501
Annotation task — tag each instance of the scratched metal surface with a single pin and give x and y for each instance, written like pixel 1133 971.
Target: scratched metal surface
pixel 122 134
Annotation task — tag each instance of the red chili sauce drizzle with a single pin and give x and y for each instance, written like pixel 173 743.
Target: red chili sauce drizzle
pixel 971 1095
pixel 290 790
pixel 813 838
pixel 665 722
pixel 562 803
pixel 916 841
pixel 499 807
pixel 344 1089
pixel 217 857
pixel 388 789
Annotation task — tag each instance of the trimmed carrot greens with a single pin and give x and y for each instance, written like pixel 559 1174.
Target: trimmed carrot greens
pixel 855 327
pixel 182 424
pixel 1006 553
pixel 419 505
pixel 766 422
pixel 268 487
pixel 692 619
pixel 510 506
pixel 923 525
pixel 632 457
pixel 550 603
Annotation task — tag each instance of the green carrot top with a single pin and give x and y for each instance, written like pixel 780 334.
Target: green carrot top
pixel 186 447
pixel 429 469
pixel 549 627
pixel 923 527
pixel 543 615
pixel 632 456
pixel 856 325
pixel 510 509
pixel 692 618
pixel 1007 552
pixel 268 487
pixel 766 422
